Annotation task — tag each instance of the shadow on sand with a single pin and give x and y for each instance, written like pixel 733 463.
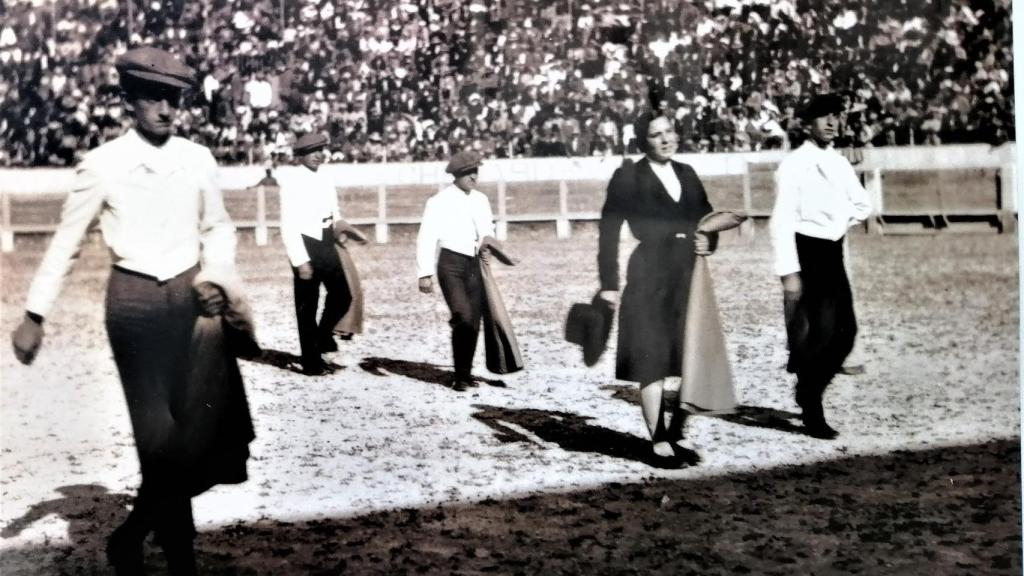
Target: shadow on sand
pixel 422 371
pixel 953 510
pixel 284 360
pixel 753 416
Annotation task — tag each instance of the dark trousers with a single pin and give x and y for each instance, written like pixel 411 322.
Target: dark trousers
pixel 821 325
pixel 149 324
pixel 459 277
pixel 327 271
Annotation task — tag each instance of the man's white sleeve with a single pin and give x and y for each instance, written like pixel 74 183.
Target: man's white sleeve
pixel 426 241
pixel 81 207
pixel 291 235
pixel 483 218
pixel 860 201
pixel 216 231
pixel 782 225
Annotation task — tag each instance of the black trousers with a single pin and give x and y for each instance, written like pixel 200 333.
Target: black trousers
pixel 459 277
pixel 327 271
pixel 149 324
pixel 821 325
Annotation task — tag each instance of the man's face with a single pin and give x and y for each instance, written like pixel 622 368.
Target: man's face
pixel 824 128
pixel 312 160
pixel 466 182
pixel 154 108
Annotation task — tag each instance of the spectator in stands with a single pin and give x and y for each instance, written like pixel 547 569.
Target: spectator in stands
pixel 435 54
pixel 819 198
pixel 662 200
pixel 170 296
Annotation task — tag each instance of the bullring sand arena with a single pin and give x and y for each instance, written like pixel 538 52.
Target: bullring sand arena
pixel 381 469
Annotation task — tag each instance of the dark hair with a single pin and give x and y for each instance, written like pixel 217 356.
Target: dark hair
pixel 642 127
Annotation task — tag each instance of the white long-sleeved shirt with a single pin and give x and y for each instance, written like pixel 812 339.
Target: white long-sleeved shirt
pixel 454 220
pixel 309 203
pixel 818 195
pixel 160 209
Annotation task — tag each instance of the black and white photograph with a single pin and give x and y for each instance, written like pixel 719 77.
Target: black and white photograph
pixel 515 287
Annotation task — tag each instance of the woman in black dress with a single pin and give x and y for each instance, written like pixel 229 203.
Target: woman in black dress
pixel 662 200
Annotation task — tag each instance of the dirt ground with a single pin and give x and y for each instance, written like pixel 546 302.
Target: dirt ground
pixel 380 469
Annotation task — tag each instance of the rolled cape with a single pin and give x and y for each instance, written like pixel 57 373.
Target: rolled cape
pixel 214 426
pixel 707 376
pixel 500 344
pixel 352 321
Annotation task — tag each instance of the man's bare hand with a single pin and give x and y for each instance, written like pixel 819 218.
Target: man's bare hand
pixel 792 286
pixel 305 271
pixel 27 338
pixel 211 298
pixel 426 285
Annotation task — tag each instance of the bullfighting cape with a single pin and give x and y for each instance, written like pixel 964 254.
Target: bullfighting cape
pixel 707 381
pixel 352 321
pixel 214 426
pixel 500 344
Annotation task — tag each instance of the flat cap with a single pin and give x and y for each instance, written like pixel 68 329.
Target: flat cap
pixel 463 161
pixel 155 65
pixel 822 105
pixel 309 143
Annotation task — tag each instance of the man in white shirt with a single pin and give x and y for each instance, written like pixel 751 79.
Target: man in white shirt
pixel 457 219
pixel 172 244
pixel 819 199
pixel 309 213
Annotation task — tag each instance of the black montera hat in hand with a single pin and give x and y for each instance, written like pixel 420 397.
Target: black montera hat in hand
pixel 154 65
pixel 822 105
pixel 589 325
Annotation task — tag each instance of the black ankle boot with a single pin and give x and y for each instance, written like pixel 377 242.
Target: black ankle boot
pixel 125 551
pixel 181 558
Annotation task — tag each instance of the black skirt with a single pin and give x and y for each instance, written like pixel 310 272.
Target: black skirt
pixel 652 314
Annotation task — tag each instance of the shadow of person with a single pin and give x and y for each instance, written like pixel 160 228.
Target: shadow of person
pixel 422 371
pixel 768 418
pixel 89 509
pixel 285 360
pixel 753 416
pixel 569 431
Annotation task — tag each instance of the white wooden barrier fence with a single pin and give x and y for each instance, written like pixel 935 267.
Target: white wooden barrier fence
pixel 501 173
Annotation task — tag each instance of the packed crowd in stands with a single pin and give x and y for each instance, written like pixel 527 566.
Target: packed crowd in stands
pixel 400 80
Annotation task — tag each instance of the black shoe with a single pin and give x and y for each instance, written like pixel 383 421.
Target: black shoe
pixel 685 455
pixel 345 335
pixel 460 384
pixel 816 427
pixel 316 369
pixel 125 552
pixel 181 558
pixel 326 343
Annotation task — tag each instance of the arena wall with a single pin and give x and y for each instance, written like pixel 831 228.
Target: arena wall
pixel 949 182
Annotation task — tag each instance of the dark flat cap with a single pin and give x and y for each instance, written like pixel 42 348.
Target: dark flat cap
pixel 589 326
pixel 822 105
pixel 463 161
pixel 309 143
pixel 154 65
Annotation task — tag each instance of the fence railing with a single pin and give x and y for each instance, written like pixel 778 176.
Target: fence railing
pixel 942 181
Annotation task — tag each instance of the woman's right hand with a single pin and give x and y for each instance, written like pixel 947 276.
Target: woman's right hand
pixel 610 296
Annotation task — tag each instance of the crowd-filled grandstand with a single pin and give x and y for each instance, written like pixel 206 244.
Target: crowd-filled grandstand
pixel 399 80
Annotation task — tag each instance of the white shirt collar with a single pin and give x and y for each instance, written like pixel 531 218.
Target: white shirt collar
pixel 157 159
